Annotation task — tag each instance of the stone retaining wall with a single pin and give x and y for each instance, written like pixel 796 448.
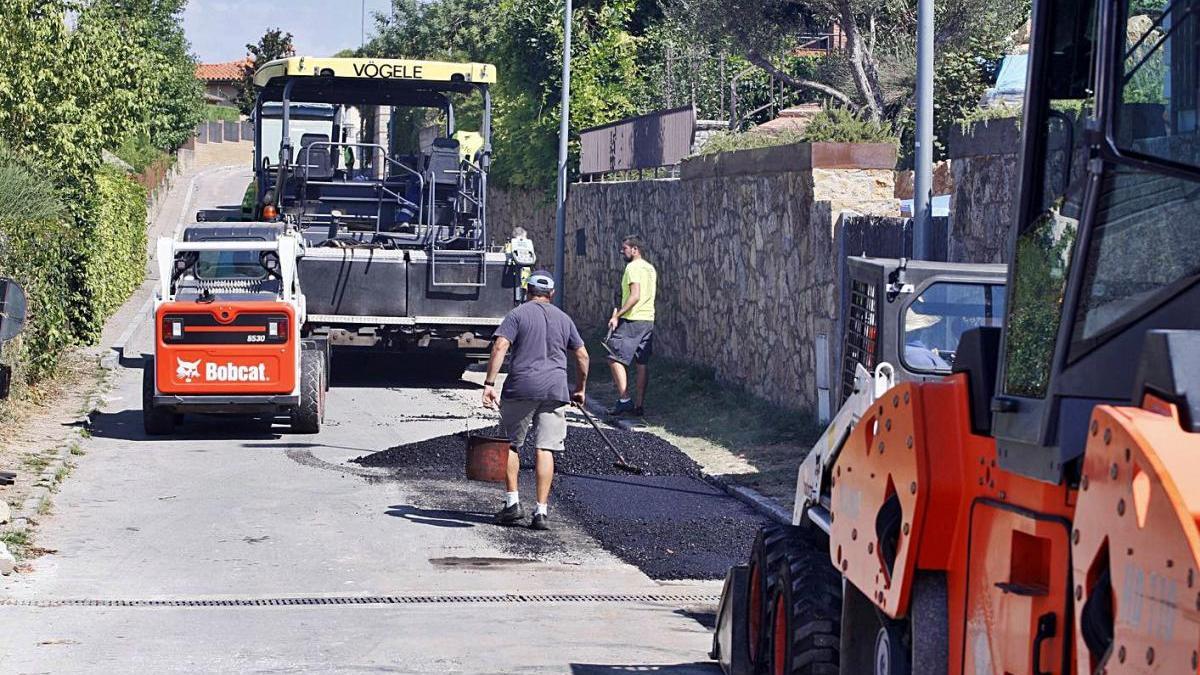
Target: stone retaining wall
pixel 985 180
pixel 532 210
pixel 746 248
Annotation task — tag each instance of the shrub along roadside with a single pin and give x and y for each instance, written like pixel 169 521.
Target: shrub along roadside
pixel 40 254
pixel 77 270
pixel 831 125
pixel 79 79
pixel 112 255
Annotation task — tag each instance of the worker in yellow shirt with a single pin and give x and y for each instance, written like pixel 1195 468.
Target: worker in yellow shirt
pixel 631 328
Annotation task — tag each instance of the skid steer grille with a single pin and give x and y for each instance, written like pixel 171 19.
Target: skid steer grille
pixel 862 326
pixel 205 329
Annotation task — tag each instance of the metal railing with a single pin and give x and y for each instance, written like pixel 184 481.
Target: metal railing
pixel 380 187
pixel 470 189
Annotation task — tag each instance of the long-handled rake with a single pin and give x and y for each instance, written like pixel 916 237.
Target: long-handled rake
pixel 620 463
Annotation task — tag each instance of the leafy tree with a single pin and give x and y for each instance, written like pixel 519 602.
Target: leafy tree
pixel 51 114
pixel 524 39
pixel 77 78
pixel 450 30
pixel 605 83
pixel 154 29
pixel 875 73
pixel 274 44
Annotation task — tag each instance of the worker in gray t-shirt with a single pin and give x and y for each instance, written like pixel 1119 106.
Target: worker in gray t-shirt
pixel 535 392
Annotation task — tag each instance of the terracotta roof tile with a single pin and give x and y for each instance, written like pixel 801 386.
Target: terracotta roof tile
pixel 230 70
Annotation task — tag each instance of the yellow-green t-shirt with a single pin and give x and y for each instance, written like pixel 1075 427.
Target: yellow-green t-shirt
pixel 645 276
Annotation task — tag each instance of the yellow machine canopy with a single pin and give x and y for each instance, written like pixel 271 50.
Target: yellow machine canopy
pixel 376 69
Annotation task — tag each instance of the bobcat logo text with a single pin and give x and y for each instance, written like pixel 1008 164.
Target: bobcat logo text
pixel 219 372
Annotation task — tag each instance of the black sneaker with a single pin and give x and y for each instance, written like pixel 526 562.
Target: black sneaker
pixel 540 522
pixel 639 411
pixel 510 515
pixel 621 408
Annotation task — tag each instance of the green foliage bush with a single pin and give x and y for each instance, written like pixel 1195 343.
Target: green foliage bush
pixel 79 78
pixel 831 125
pixel 39 255
pixel 37 245
pixel 112 261
pixel 24 195
pixel 77 272
pixel 605 84
pixel 728 141
pixel 839 125
pixel 220 113
pixel 138 152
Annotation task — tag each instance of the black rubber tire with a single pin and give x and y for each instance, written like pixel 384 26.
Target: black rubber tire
pixel 156 421
pixel 805 611
pixel 307 417
pixel 769 547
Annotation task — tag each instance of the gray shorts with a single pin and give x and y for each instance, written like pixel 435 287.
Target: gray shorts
pixel 631 341
pixel 549 420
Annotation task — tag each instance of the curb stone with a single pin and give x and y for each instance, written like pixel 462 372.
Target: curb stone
pixel 749 496
pixel 110 359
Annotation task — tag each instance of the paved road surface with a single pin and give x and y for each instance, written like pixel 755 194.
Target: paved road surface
pixel 239 547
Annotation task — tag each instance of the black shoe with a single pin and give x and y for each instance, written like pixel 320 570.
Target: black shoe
pixel 510 515
pixel 621 408
pixel 639 411
pixel 540 522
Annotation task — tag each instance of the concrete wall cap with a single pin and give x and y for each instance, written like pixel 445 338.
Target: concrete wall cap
pixel 988 137
pixel 793 157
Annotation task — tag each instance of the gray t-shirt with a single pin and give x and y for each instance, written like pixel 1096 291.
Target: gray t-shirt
pixel 541 334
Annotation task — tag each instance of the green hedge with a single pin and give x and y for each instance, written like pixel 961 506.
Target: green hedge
pixel 39 254
pixel 37 248
pixel 111 259
pixel 76 271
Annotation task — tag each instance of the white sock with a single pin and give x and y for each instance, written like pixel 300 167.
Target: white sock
pixel 626 400
pixel 511 498
pixel 541 508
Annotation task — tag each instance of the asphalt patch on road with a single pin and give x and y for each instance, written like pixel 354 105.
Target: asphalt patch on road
pixel 446 456
pixel 670 523
pixel 670 527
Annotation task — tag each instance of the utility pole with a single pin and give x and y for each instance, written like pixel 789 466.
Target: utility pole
pixel 560 225
pixel 923 155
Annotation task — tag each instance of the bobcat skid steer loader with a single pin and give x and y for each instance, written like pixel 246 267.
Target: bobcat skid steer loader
pixel 227 330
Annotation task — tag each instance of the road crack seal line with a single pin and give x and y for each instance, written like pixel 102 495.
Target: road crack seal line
pixel 511 598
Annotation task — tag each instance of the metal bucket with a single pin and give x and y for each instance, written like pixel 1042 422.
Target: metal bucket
pixel 487 458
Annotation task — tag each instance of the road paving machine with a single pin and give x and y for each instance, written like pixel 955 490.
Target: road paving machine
pixel 371 161
pixel 227 330
pixel 1035 511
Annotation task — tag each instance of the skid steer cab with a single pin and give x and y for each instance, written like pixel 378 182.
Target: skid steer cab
pixel 227 331
pixel 903 321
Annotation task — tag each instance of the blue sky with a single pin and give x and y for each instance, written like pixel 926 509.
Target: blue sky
pixel 220 29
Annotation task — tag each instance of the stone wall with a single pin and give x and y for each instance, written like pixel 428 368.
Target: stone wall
pixel 943 181
pixel 746 248
pixel 985 181
pixel 531 209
